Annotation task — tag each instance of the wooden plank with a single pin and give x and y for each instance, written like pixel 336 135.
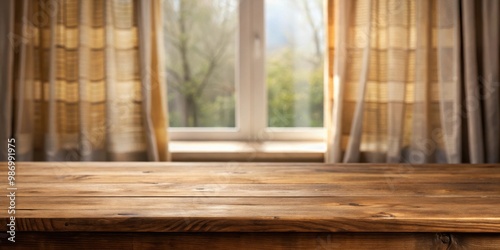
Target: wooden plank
pixel 354 207
pixel 355 214
pixel 254 173
pixel 191 209
pixel 231 197
pixel 236 178
pixel 226 188
pixel 196 241
pixel 139 223
pixel 158 167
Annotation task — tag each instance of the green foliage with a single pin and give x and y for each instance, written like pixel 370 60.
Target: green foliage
pixel 290 90
pixel 281 94
pixel 201 40
pixel 220 113
pixel 316 97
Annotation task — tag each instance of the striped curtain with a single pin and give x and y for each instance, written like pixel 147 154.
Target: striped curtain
pixel 82 80
pixel 413 81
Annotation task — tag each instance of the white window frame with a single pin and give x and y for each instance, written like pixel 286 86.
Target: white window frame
pixel 251 92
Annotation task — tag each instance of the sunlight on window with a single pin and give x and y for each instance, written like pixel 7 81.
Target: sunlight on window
pixel 295 32
pixel 201 47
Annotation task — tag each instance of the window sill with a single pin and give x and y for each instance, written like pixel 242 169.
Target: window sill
pixel 276 151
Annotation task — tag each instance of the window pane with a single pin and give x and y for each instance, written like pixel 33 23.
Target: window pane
pixel 295 33
pixel 201 44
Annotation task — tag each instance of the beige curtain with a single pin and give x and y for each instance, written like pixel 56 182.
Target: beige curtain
pixel 413 81
pixel 82 80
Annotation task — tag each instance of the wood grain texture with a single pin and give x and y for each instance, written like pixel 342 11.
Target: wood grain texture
pixel 255 197
pixel 230 241
pixel 273 197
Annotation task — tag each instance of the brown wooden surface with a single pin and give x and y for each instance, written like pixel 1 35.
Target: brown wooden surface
pixel 231 241
pixel 241 197
pixel 256 205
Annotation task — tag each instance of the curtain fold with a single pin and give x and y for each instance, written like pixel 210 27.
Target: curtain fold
pixel 413 81
pixel 449 77
pixel 86 80
pixel 6 62
pixel 491 90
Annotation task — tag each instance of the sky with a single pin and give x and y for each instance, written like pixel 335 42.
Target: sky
pixel 283 19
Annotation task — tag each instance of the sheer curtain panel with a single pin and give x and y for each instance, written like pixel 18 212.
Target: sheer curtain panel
pixel 413 81
pixel 82 80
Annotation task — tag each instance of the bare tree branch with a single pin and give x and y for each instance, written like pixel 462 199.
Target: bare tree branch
pixel 315 29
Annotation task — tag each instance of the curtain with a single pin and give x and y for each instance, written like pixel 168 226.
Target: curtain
pixel 413 81
pixel 82 80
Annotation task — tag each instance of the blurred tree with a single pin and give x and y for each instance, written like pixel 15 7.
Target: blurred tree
pixel 200 36
pixel 201 47
pixel 294 76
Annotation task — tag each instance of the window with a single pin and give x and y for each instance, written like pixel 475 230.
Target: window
pixel 245 70
pixel 201 42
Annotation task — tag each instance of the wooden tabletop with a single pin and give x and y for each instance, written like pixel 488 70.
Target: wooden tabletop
pixel 254 197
